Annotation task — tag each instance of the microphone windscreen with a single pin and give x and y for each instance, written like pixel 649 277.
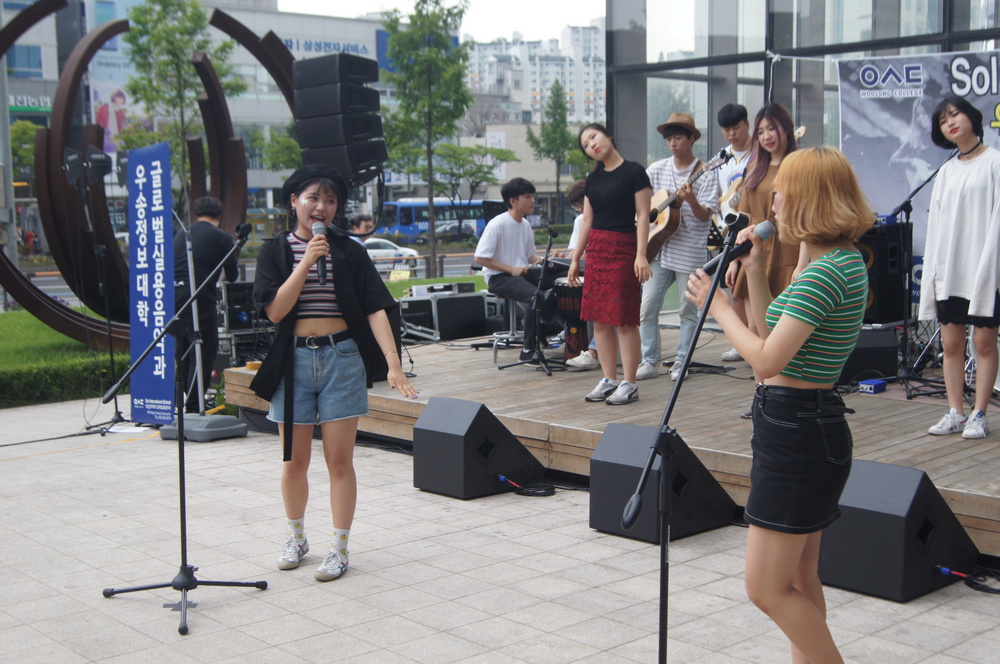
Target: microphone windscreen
pixel 318 228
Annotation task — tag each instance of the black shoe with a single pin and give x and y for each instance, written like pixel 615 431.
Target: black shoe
pixel 526 355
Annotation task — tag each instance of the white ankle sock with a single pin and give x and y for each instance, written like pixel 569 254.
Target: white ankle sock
pixel 297 529
pixel 340 540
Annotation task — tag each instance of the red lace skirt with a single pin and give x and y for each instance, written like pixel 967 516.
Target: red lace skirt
pixel 611 291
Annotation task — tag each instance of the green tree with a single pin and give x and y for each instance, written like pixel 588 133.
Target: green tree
pixel 162 37
pixel 580 165
pixel 474 165
pixel 429 77
pixel 405 153
pixel 554 140
pixel 22 147
pixel 279 153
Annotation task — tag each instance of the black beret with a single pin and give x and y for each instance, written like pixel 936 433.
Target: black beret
pixel 313 172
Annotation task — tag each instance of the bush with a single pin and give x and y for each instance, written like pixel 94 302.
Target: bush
pixel 65 380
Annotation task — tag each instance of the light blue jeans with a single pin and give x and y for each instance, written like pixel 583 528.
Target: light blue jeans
pixel 649 313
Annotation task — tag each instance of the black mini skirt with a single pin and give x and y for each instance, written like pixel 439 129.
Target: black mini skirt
pixel 802 448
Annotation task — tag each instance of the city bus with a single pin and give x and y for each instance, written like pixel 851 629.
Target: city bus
pixel 406 219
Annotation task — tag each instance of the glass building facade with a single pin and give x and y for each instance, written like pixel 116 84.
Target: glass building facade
pixel 668 56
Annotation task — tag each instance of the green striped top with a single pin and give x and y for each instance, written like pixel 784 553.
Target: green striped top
pixel 831 295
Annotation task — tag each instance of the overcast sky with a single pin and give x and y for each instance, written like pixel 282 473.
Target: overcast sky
pixel 485 20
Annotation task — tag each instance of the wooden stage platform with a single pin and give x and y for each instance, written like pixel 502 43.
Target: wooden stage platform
pixel 549 415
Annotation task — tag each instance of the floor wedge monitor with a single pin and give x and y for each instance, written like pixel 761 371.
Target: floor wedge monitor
pixel 460 448
pixel 698 501
pixel 894 528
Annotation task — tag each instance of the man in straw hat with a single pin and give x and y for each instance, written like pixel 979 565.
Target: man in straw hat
pixel 684 252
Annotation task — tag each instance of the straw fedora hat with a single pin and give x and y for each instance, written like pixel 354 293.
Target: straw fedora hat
pixel 681 121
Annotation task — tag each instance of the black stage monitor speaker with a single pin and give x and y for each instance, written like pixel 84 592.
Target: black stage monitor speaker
pixel 460 447
pixel 875 356
pixel 886 249
pixel 333 68
pixel 894 528
pixel 698 501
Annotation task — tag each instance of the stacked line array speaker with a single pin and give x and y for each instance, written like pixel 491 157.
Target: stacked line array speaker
pixel 460 447
pixel 698 501
pixel 886 252
pixel 336 114
pixel 894 528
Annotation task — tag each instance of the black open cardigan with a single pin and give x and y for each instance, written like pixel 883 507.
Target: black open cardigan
pixel 360 292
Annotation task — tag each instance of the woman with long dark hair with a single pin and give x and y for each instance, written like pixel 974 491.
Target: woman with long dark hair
pixel 802 445
pixel 613 232
pixel 332 335
pixel 773 138
pixel 961 261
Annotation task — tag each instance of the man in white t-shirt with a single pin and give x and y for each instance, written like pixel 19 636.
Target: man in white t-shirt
pixel 506 250
pixel 732 119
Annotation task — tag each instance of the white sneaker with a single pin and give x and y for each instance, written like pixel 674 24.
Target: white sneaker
pixel 646 370
pixel 976 426
pixel 732 355
pixel 951 422
pixel 584 360
pixel 675 372
pixel 292 553
pixel 625 393
pixel 333 566
pixel 603 390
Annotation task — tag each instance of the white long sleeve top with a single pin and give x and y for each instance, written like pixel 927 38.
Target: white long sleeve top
pixel 962 254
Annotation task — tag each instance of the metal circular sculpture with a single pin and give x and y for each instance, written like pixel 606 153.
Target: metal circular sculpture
pixel 73 235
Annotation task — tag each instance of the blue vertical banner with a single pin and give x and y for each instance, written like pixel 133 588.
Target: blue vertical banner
pixel 151 271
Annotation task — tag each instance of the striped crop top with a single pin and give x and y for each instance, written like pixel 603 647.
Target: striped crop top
pixel 831 295
pixel 315 301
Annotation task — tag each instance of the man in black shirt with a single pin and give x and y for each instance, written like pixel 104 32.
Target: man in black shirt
pixel 209 244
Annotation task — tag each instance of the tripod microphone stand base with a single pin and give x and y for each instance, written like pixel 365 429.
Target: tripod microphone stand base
pixel 185 581
pixel 206 428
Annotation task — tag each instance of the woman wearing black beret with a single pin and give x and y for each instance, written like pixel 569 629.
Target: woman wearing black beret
pixel 330 339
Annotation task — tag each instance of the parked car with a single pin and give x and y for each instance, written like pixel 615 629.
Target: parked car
pixel 379 248
pixel 447 231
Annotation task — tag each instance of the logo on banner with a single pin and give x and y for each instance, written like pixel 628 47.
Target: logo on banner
pixel 891 81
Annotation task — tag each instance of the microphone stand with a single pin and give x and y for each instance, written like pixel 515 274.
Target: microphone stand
pixel 667 440
pixel 538 357
pixel 908 371
pixel 185 579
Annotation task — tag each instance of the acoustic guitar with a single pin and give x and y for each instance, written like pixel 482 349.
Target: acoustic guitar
pixel 666 212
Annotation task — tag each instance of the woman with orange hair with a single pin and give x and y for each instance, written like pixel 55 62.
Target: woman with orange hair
pixel 802 445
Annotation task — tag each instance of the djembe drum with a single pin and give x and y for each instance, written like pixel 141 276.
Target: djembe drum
pixel 568 302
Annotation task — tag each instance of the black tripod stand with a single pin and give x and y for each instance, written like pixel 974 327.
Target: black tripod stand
pixel 116 417
pixel 668 440
pixel 185 579
pixel 908 371
pixel 538 357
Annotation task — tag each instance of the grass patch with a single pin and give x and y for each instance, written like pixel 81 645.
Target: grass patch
pixel 399 288
pixel 40 365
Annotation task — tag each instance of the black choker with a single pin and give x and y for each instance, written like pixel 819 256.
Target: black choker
pixel 974 148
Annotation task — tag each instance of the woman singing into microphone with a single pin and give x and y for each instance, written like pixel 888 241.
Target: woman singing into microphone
pixel 801 442
pixel 330 339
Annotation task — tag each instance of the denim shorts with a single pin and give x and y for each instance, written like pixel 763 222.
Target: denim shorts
pixel 802 449
pixel 330 385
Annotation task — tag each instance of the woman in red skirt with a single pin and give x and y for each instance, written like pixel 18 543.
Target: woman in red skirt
pixel 614 231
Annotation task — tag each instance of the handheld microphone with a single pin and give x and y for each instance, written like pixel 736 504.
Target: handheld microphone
pixel 318 228
pixel 765 231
